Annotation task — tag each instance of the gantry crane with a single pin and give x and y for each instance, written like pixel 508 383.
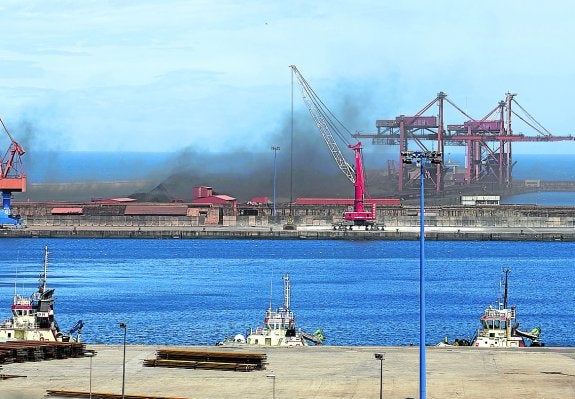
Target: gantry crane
pixel 12 179
pixel 329 125
pixel 487 142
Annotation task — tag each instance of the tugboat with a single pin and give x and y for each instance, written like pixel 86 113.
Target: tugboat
pixel 33 317
pixel 279 327
pixel 499 329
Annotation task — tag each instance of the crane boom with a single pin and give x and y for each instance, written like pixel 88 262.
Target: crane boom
pixel 320 114
pixel 327 126
pixel 12 179
pixel 11 165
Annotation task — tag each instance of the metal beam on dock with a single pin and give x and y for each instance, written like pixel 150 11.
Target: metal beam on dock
pixel 102 395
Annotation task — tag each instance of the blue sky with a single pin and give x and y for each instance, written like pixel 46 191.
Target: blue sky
pixel 214 75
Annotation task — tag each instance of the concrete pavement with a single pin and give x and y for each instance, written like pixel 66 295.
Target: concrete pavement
pixel 312 372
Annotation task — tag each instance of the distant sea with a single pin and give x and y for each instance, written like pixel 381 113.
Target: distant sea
pixel 67 167
pixel 113 166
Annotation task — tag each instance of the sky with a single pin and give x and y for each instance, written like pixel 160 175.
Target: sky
pixel 213 76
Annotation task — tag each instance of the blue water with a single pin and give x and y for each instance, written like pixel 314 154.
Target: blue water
pixel 542 198
pixel 190 292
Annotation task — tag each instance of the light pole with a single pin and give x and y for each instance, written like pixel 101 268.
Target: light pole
pixel 421 157
pixel 273 377
pixel 379 356
pixel 125 328
pixel 275 149
pixel 90 355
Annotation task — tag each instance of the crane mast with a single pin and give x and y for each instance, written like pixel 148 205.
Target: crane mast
pixel 327 125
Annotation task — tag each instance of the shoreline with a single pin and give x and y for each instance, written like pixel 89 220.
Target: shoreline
pixel 276 232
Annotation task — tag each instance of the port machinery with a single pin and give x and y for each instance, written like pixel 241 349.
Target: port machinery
pixel 487 142
pixel 363 214
pixel 12 179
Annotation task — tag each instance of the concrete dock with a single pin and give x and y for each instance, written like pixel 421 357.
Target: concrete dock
pixel 276 232
pixel 310 372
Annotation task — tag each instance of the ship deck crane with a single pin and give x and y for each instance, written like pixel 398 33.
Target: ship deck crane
pixel 329 125
pixel 12 179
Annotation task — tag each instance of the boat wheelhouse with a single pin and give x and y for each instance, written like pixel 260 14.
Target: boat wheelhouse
pixel 499 328
pixel 33 317
pixel 279 328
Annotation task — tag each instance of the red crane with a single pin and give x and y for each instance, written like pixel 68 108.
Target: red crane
pixel 12 179
pixel 329 125
pixel 487 140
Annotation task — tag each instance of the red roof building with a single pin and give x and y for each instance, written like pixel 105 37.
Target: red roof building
pixel 346 201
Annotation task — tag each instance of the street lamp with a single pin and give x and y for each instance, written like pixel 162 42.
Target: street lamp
pixel 90 355
pixel 275 149
pixel 273 377
pixel 124 327
pixel 379 356
pixel 421 157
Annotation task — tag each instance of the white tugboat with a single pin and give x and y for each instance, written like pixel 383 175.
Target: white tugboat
pixel 33 317
pixel 499 329
pixel 279 327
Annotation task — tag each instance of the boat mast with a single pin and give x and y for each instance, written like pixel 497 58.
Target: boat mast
pixel 271 292
pixel 505 292
pixel 287 292
pixel 43 278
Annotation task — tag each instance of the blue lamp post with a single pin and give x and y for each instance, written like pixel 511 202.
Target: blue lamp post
pixel 275 149
pixel 421 157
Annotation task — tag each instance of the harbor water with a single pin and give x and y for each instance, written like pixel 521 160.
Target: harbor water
pixel 191 292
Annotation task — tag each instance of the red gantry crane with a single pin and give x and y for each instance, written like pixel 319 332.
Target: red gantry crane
pixel 12 179
pixel 328 124
pixel 487 142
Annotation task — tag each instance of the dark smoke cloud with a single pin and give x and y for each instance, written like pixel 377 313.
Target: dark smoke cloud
pixel 308 170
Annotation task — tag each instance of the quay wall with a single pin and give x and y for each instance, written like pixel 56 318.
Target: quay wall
pixel 252 234
pixel 512 216
pixel 489 222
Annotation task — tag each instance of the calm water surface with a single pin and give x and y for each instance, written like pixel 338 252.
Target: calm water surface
pixel 360 293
